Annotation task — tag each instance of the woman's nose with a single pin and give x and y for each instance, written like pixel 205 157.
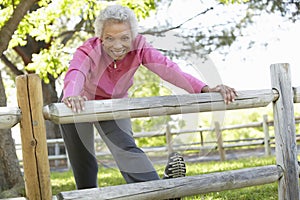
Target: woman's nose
pixel 117 44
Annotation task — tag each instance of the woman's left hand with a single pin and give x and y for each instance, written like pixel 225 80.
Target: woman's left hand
pixel 229 94
pixel 76 103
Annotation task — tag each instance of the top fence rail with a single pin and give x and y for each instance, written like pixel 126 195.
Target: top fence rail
pixel 145 107
pixel 9 117
pixel 156 106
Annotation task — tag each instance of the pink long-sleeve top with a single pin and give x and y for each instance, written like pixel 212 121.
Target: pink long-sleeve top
pixel 94 74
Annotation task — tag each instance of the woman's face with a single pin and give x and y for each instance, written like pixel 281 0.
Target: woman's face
pixel 116 39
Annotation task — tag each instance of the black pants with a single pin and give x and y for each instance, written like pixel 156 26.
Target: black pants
pixel 117 134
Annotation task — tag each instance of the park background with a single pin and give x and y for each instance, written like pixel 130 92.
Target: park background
pixel 243 64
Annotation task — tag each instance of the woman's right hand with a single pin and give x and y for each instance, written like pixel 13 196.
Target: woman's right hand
pixel 76 103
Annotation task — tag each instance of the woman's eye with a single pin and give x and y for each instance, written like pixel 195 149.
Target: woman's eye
pixel 125 38
pixel 109 39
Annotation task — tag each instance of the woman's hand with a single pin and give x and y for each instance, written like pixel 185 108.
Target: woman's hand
pixel 229 94
pixel 76 103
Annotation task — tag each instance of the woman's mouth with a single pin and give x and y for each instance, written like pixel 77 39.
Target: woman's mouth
pixel 119 53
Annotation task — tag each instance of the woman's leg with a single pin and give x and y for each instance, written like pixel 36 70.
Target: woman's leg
pixel 79 142
pixel 131 160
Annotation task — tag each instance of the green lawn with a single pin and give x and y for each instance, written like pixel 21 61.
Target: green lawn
pixel 64 181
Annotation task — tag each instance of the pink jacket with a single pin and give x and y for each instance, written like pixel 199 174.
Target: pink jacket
pixel 94 74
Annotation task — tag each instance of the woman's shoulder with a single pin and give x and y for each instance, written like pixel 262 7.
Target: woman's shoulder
pixel 91 44
pixel 140 42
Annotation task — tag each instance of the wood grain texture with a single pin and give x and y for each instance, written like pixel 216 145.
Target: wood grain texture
pixel 102 110
pixel 33 137
pixel 9 117
pixel 285 132
pixel 180 187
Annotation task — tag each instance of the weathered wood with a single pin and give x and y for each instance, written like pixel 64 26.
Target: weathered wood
pixel 296 94
pixel 240 126
pixel 285 132
pixel 9 117
pixel 220 141
pixel 186 186
pixel 24 198
pixel 267 136
pixel 169 139
pixel 148 134
pixel 33 136
pixel 156 106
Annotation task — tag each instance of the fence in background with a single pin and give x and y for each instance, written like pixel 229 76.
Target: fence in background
pixel 219 145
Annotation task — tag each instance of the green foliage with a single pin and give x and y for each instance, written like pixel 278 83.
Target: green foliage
pixel 62 182
pixel 142 8
pixel 49 62
pixel 5 11
pixel 233 1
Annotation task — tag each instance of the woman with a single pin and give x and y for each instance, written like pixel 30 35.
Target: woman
pixel 103 68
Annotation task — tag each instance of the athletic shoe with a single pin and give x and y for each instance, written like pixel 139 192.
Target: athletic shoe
pixel 175 168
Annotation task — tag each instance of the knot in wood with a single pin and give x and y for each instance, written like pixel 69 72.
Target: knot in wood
pixel 33 143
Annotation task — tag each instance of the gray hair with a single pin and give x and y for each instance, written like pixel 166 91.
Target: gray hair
pixel 118 13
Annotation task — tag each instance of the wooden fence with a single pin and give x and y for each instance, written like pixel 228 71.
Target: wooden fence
pixel 36 165
pixel 265 141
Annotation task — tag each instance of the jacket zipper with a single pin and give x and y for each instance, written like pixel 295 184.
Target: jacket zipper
pixel 115 64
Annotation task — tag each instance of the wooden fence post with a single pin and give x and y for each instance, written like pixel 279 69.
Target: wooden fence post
pixel 267 136
pixel 33 137
pixel 169 139
pixel 285 132
pixel 201 137
pixel 220 141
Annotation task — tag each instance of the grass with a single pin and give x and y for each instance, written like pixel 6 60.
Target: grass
pixel 64 181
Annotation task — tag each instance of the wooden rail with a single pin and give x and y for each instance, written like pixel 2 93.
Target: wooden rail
pixel 58 113
pixel 9 117
pixel 186 186
pixel 157 106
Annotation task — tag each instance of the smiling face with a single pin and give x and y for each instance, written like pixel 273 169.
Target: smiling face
pixel 116 39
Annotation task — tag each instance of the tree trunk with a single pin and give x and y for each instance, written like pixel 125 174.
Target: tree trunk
pixel 50 96
pixel 11 181
pixel 52 129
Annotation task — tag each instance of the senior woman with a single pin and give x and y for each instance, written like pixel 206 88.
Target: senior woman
pixel 103 68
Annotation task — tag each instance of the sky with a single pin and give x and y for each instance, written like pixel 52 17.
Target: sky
pixel 243 68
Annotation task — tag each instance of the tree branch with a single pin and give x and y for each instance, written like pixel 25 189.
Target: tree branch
pixel 68 34
pixel 11 66
pixel 150 32
pixel 12 24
